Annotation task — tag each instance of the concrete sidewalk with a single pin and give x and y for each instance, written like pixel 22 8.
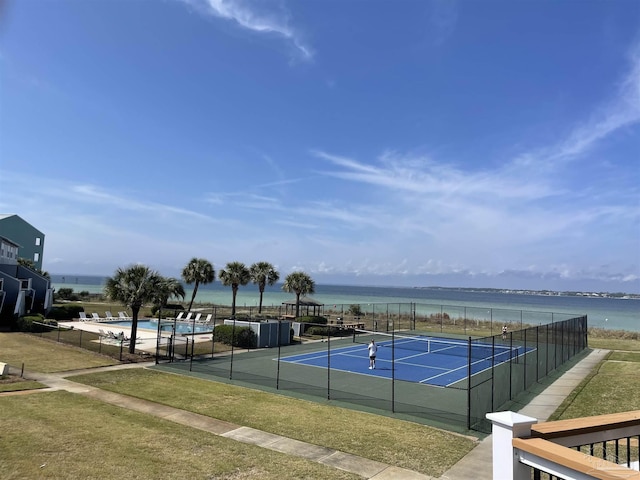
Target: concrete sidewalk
pixel 477 464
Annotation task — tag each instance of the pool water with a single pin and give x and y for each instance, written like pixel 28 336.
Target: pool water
pixel 181 327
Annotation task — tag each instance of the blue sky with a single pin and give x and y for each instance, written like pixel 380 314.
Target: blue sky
pixel 475 143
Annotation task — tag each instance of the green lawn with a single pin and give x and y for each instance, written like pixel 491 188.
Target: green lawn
pixel 614 343
pixel 71 436
pixel 46 356
pixel 401 443
pixel 612 387
pixel 68 436
pixel 396 442
pixel 12 383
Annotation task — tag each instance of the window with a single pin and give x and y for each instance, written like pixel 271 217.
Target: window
pixel 37 241
pixel 36 257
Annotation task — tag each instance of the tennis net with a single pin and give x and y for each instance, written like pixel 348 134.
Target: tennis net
pixel 439 346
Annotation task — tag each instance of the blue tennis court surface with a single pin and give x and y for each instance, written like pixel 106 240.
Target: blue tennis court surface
pixel 440 362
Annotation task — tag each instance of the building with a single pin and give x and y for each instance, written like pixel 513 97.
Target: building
pixel 29 240
pixel 23 289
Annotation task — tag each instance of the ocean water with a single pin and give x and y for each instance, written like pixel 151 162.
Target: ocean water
pixel 610 313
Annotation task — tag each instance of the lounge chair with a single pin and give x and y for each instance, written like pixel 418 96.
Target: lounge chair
pixel 108 316
pixel 96 317
pixel 188 317
pixel 179 317
pixel 209 317
pixel 197 319
pixel 123 316
pixel 83 317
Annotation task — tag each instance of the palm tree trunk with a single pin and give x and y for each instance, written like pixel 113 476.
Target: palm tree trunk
pixel 134 329
pixel 233 302
pixel 297 304
pixel 193 296
pixel 260 304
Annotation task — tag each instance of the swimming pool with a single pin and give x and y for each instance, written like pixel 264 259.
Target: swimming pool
pixel 181 327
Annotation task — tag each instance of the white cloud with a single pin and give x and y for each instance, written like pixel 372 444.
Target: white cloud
pixel 619 112
pixel 492 219
pixel 252 16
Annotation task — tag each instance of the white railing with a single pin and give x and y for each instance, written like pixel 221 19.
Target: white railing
pixel 602 447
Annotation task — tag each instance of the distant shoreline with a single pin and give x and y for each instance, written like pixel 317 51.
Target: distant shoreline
pixel 552 293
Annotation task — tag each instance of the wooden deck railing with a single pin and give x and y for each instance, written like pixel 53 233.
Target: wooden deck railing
pixel 602 447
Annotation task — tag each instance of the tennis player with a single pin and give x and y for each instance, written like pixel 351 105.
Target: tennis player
pixel 373 349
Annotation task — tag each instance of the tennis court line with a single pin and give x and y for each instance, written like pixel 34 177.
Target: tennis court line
pixel 357 353
pixel 466 366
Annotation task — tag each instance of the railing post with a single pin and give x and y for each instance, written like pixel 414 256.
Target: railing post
pixel 505 427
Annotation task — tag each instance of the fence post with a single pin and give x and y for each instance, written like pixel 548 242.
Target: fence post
pixel 465 320
pixel 505 427
pixel 469 384
pixel 279 344
pixel 524 362
pixel 537 353
pixel 510 365
pixel 329 362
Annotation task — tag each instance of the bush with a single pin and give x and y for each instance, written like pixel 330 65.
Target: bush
pixel 244 336
pixel 34 323
pixel 65 312
pixel 325 331
pixel 64 293
pixel 312 319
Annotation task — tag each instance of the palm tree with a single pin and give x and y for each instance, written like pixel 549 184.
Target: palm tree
pixel 167 288
pixel 263 273
pixel 198 271
pixel 234 275
pixel 299 283
pixel 133 287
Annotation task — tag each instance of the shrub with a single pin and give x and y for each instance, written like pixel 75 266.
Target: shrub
pixel 244 336
pixel 309 322
pixel 65 312
pixel 64 293
pixel 325 331
pixel 355 310
pixel 312 319
pixel 34 323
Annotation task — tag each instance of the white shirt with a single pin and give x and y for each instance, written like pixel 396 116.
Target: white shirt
pixel 373 348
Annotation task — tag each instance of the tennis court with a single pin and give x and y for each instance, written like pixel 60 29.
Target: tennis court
pixel 440 362
pixel 421 376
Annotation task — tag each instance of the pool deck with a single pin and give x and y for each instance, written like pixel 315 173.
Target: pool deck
pixel 147 338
